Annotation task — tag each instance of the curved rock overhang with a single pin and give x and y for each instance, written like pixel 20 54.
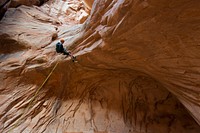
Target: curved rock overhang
pixel 137 64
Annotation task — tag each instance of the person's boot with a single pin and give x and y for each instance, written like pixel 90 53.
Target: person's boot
pixel 73 58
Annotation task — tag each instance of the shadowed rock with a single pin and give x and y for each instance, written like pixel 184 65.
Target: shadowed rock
pixel 137 69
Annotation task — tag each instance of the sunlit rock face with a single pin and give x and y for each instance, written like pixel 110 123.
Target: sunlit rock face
pixel 66 11
pixel 137 69
pixel 88 3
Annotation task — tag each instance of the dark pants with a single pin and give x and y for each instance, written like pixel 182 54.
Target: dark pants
pixel 65 52
pixel 69 54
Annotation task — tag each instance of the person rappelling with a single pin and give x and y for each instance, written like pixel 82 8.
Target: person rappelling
pixel 61 49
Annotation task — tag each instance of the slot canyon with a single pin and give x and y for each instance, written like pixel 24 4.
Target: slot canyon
pixel 137 66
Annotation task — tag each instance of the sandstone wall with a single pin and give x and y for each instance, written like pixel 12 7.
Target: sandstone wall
pixel 137 69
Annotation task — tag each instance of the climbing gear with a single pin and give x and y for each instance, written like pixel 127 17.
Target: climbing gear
pixel 61 49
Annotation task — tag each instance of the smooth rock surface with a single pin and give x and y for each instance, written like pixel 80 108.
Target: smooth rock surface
pixel 66 11
pixel 88 3
pixel 137 69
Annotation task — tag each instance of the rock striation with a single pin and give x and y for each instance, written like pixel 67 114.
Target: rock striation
pixel 137 69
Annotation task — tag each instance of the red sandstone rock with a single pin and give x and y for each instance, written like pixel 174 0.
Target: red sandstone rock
pixel 15 3
pixel 137 69
pixel 88 3
pixel 68 12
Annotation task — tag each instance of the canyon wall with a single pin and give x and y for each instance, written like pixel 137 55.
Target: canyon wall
pixel 137 69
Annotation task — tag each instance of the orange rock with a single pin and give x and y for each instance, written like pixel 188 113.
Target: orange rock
pixel 88 3
pixel 137 70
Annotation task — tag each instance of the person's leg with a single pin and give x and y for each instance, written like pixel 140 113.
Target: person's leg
pixel 65 52
pixel 69 54
pixel 72 57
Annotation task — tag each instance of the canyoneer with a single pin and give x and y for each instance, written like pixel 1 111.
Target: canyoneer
pixel 61 49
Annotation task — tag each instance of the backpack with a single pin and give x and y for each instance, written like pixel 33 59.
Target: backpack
pixel 59 47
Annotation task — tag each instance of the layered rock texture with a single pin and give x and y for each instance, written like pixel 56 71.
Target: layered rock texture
pixel 4 4
pixel 137 68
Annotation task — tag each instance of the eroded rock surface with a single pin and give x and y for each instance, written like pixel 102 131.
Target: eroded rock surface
pixel 67 11
pixel 4 4
pixel 137 69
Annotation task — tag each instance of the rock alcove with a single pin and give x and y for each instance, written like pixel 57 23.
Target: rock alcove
pixel 137 70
